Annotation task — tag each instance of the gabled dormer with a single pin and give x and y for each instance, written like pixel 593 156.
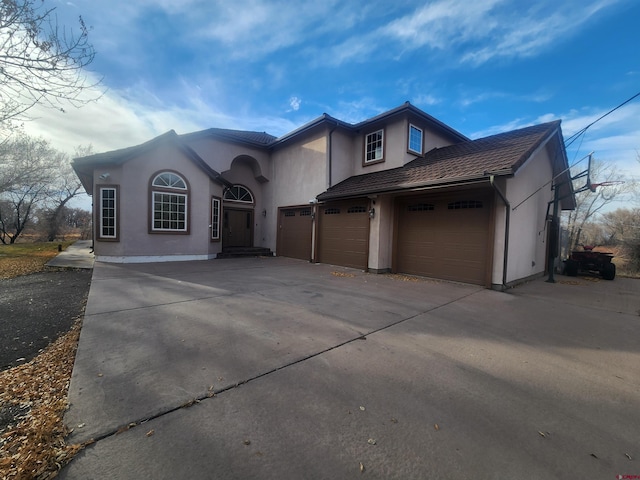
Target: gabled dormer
pixel 396 137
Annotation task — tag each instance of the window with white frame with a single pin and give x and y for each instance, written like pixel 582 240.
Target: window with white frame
pixel 108 227
pixel 238 193
pixel 374 146
pixel 415 139
pixel 169 199
pixel 215 218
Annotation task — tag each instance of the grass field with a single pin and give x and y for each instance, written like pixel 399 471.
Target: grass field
pixel 25 258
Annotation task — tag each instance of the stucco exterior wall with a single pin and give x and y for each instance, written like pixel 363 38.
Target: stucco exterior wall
pixel 528 226
pixel 219 155
pixel 299 173
pixel 133 179
pixel 342 159
pixel 381 235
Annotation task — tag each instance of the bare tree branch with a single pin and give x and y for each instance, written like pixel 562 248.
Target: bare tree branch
pixel 40 63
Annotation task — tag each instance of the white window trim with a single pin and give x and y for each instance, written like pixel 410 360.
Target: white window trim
pixel 115 213
pixel 215 224
pixel 248 192
pixel 153 210
pixel 173 186
pixel 412 126
pixel 366 144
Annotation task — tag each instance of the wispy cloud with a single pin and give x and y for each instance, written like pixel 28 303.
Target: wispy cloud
pixel 615 138
pixel 470 32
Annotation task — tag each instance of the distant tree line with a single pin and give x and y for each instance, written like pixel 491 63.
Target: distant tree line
pixel 36 185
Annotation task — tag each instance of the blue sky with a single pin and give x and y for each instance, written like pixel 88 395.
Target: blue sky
pixel 481 66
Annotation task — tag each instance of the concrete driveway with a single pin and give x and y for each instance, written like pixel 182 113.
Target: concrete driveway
pixel 275 368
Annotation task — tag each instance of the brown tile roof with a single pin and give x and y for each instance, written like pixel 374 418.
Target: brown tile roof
pixel 260 139
pixel 502 154
pixel 84 166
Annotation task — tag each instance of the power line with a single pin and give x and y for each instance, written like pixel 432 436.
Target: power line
pixel 571 139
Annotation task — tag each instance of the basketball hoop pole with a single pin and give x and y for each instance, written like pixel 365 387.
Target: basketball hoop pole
pixel 554 233
pixel 554 239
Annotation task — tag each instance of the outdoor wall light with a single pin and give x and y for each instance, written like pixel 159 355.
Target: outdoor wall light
pixel 372 213
pixel 264 212
pixel 104 176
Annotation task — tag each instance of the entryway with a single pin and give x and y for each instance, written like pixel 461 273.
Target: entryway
pixel 237 228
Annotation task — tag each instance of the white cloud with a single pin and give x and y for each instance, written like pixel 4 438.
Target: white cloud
pixel 294 103
pixel 470 32
pixel 615 138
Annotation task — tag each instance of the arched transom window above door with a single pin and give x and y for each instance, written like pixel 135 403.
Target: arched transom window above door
pixel 238 193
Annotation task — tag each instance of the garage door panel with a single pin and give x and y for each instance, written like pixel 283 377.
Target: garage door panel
pixel 295 233
pixel 443 238
pixel 343 236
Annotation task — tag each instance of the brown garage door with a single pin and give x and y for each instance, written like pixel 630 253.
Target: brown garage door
pixel 444 237
pixel 343 236
pixel 294 233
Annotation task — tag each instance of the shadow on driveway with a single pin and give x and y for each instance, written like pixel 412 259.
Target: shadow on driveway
pixel 314 371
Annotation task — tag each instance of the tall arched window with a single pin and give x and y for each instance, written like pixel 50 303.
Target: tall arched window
pixel 170 203
pixel 238 193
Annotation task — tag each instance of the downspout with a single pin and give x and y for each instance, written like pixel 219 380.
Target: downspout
pixel 505 260
pixel 330 159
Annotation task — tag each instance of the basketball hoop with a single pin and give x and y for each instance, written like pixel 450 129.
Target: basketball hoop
pixel 593 186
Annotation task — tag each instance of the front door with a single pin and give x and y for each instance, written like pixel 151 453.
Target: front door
pixel 237 229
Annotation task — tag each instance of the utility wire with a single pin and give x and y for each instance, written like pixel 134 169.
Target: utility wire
pixel 572 139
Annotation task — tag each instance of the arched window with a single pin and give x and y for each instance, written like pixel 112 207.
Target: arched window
pixel 169 180
pixel 238 193
pixel 170 200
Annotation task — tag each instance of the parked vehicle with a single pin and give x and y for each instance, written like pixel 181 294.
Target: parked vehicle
pixel 589 261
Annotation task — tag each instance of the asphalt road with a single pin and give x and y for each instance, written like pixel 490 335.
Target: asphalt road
pixel 36 309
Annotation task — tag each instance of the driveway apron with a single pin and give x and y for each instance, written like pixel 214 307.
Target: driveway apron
pixel 277 368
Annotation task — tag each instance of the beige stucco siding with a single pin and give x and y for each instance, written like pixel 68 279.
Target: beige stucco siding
pixel 528 226
pixel 133 179
pixel 299 173
pixel 219 155
pixel 381 234
pixel 342 160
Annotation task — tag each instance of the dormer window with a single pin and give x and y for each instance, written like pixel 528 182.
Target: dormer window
pixel 415 139
pixel 374 147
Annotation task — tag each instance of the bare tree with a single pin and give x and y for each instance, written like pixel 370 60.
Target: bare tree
pixel 36 164
pixel 64 187
pixel 40 62
pixel 589 203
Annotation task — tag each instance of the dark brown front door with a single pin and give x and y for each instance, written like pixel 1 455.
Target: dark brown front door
pixel 237 228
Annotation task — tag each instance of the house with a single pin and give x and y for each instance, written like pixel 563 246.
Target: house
pixel 399 192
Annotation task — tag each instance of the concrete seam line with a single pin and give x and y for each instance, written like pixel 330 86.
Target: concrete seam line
pixel 213 394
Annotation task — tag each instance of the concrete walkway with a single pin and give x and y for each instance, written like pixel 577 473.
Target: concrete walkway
pixel 273 368
pixel 76 255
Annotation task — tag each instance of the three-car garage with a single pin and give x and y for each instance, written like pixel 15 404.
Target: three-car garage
pixel 446 236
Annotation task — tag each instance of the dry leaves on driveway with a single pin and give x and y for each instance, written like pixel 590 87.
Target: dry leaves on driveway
pixel 32 446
